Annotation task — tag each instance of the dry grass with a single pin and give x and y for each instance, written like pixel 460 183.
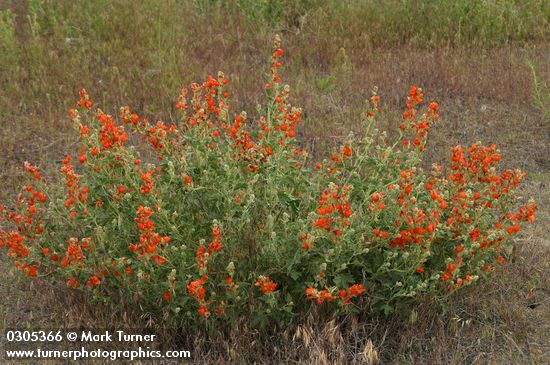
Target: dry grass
pixel 485 93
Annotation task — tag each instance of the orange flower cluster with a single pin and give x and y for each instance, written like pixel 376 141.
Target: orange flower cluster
pixel 181 102
pixel 147 179
pixel 343 295
pixel 74 193
pixel 377 201
pixel 334 208
pixel 245 148
pixel 525 213
pixel 266 285
pixel 158 135
pixel 75 254
pixel 73 283
pixel 419 127
pixel 93 281
pixel 110 135
pixel 286 120
pixel 14 241
pixel 344 153
pixel 84 101
pixel 128 117
pixel 32 170
pixel 413 224
pixel 203 254
pixel 207 107
pixel 275 61
pixel 197 291
pixel 149 240
pixel 28 222
pixel 196 288
pixel 374 104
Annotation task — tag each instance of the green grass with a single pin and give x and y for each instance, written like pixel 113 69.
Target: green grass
pixel 541 92
pixel 51 48
pixel 394 22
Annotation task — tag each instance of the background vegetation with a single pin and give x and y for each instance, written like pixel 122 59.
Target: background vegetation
pixel 486 62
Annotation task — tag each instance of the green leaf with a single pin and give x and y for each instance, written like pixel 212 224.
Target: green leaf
pixel 387 309
pixel 294 275
pixel 343 280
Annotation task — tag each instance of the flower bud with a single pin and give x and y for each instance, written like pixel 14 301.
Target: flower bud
pixel 230 268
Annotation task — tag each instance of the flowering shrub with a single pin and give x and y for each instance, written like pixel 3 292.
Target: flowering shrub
pixel 214 217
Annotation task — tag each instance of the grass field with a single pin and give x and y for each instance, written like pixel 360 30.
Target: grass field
pixel 486 62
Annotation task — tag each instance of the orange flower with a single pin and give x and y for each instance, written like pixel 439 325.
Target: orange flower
pixel 311 293
pixel 356 290
pixel 307 245
pixel 324 295
pixel 203 311
pixel 196 290
pixel 32 271
pixel 73 283
pixel 266 285
pixel 93 281
pixel 346 151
